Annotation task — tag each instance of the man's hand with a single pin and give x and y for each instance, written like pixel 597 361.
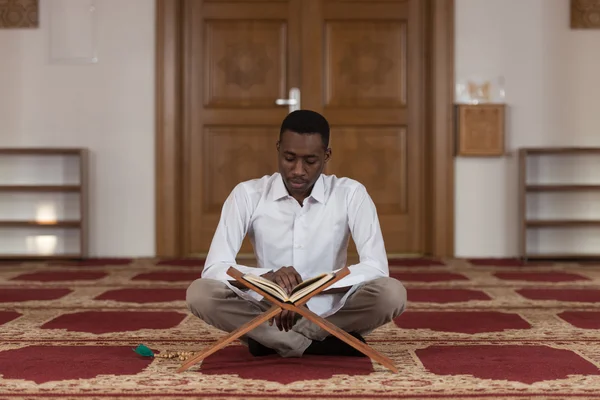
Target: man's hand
pixel 287 278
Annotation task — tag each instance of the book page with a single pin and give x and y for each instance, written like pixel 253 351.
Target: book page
pixel 306 283
pixel 270 287
pixel 311 285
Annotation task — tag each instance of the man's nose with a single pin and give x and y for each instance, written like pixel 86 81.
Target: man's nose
pixel 298 168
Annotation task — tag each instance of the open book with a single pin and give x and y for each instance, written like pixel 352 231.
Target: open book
pixel 301 290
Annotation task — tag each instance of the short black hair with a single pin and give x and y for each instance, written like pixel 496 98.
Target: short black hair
pixel 306 122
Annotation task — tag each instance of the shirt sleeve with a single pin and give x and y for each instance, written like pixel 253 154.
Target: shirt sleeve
pixel 366 233
pixel 233 225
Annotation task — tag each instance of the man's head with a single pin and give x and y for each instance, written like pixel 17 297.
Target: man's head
pixel 303 150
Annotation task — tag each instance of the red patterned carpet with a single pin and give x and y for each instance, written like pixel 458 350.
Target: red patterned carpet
pixel 478 329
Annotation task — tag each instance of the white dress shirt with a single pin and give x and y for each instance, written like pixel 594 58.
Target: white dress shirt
pixel 312 238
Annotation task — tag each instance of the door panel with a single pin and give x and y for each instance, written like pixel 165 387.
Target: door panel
pixel 359 63
pixel 365 64
pixel 382 151
pixel 232 155
pixel 244 63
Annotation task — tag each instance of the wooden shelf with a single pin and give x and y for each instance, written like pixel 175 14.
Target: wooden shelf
pixel 32 151
pixel 36 224
pixel 562 188
pixel 24 257
pixel 560 150
pixel 40 188
pixel 68 244
pixel 562 222
pixel 526 187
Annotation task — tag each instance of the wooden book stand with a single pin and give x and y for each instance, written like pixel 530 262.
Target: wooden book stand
pixel 278 307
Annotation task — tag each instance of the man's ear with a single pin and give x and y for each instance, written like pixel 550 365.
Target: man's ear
pixel 277 145
pixel 327 154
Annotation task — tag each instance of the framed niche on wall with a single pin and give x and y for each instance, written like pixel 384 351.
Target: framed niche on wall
pixel 480 117
pixel 72 28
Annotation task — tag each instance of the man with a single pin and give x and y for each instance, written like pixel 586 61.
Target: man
pixel 299 222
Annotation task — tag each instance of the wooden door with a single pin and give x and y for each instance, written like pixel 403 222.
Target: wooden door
pixel 240 58
pixel 363 67
pixel 359 63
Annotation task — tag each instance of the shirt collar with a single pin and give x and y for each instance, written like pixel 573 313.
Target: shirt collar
pixel 279 190
pixel 318 191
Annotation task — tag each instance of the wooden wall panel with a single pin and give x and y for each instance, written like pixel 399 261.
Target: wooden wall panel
pixel 19 13
pixel 585 14
pixel 481 129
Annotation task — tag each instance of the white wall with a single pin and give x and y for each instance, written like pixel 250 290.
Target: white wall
pixel 107 107
pixel 553 95
pixel 552 85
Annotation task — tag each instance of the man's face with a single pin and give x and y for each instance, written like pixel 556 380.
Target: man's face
pixel 302 158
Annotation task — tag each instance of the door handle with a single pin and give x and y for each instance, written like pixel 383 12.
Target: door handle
pixel 293 102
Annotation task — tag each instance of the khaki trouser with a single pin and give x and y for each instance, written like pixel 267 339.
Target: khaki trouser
pixel 374 304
